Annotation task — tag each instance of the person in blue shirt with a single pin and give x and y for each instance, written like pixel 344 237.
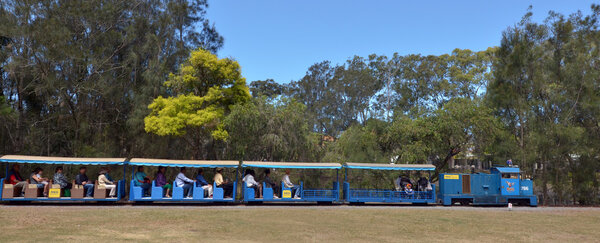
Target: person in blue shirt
pixel 201 182
pixel 82 179
pixel 140 179
pixel 183 181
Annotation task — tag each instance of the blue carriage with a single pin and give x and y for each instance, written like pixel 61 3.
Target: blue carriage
pixel 502 186
pixel 158 194
pixel 424 195
pixel 286 194
pixel 55 193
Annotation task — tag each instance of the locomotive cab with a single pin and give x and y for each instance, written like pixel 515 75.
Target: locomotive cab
pixel 509 180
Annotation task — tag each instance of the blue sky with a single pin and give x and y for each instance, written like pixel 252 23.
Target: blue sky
pixel 280 39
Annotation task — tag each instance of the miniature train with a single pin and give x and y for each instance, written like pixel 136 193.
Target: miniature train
pixel 503 185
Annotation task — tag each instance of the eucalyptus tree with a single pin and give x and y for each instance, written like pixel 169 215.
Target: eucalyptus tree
pixel 79 74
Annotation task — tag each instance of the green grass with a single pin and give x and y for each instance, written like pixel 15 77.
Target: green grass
pixel 314 224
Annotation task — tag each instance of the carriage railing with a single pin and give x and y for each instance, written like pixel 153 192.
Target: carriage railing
pixel 320 194
pixel 390 195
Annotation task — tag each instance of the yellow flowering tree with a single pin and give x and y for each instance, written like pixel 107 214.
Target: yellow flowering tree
pixel 204 90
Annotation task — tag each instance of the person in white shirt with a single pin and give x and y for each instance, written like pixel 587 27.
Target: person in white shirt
pixel 288 183
pixel 182 181
pixel 251 183
pixel 103 181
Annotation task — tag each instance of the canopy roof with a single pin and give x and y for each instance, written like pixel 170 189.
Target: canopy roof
pixel 379 166
pixel 61 160
pixel 506 169
pixel 184 163
pixel 291 165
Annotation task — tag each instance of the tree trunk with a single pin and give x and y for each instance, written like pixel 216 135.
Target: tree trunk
pixel 449 157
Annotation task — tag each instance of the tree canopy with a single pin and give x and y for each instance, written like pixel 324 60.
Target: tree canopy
pixel 206 87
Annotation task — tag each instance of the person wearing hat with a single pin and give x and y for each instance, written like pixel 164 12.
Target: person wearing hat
pixel 103 181
pixel 225 184
pixel 408 190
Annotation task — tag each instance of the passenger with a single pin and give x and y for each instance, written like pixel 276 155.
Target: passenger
pixel 141 180
pixel 37 179
pixel 408 190
pixel 60 179
pixel 251 183
pixel 270 184
pixel 405 181
pixel 14 177
pixel 288 183
pixel 201 182
pixel 161 181
pixel 225 184
pixel 82 179
pixel 182 181
pixel 102 180
pixel 423 184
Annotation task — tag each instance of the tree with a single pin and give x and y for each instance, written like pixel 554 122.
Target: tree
pixel 323 105
pixel 356 84
pixel 460 125
pixel 546 92
pixel 360 144
pixel 204 89
pixel 79 74
pixel 268 88
pixel 275 130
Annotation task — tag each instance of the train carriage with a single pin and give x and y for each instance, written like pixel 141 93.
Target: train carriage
pixel 286 194
pixel 356 195
pixel 9 192
pixel 198 195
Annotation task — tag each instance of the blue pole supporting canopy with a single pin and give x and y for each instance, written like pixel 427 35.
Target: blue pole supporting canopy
pixel 184 163
pixel 379 166
pixel 61 160
pixel 291 165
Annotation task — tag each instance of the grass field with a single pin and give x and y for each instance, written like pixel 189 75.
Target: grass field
pixel 294 224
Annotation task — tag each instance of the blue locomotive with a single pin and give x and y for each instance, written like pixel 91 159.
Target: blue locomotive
pixel 502 186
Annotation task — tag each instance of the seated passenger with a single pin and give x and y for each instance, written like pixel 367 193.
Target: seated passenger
pixel 408 189
pixel 82 179
pixel 251 183
pixel 37 179
pixel 161 181
pixel 140 179
pixel 270 184
pixel 221 183
pixel 288 183
pixel 423 184
pixel 14 178
pixel 60 179
pixel 103 181
pixel 201 182
pixel 182 181
pixel 405 181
